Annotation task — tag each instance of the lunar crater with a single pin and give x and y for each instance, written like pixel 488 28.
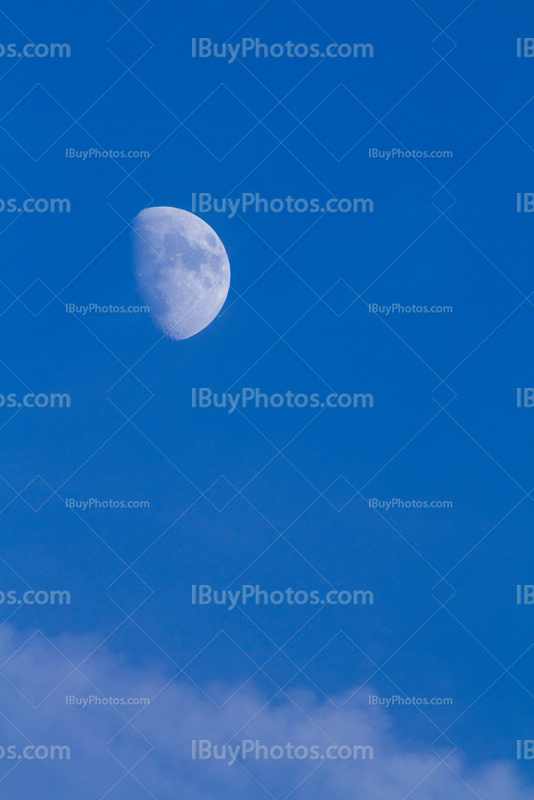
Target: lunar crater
pixel 182 270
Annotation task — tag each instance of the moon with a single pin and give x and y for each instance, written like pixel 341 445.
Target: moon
pixel 182 270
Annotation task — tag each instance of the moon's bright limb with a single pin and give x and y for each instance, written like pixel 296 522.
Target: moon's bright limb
pixel 182 269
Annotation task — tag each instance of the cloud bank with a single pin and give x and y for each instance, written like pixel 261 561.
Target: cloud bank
pixel 129 752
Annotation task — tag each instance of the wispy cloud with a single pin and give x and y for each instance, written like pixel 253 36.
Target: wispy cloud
pixel 126 752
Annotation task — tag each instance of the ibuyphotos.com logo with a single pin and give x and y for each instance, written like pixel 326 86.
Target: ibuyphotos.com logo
pixel 255 48
pixel 204 203
pixel 205 749
pixel 206 398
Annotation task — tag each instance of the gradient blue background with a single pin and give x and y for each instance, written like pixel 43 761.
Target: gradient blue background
pixel 226 129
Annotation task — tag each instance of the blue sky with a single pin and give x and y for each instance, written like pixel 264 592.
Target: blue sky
pixel 274 497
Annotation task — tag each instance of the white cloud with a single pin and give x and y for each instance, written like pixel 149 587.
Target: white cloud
pixel 179 713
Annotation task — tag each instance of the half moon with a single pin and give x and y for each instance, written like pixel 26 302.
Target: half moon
pixel 182 269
